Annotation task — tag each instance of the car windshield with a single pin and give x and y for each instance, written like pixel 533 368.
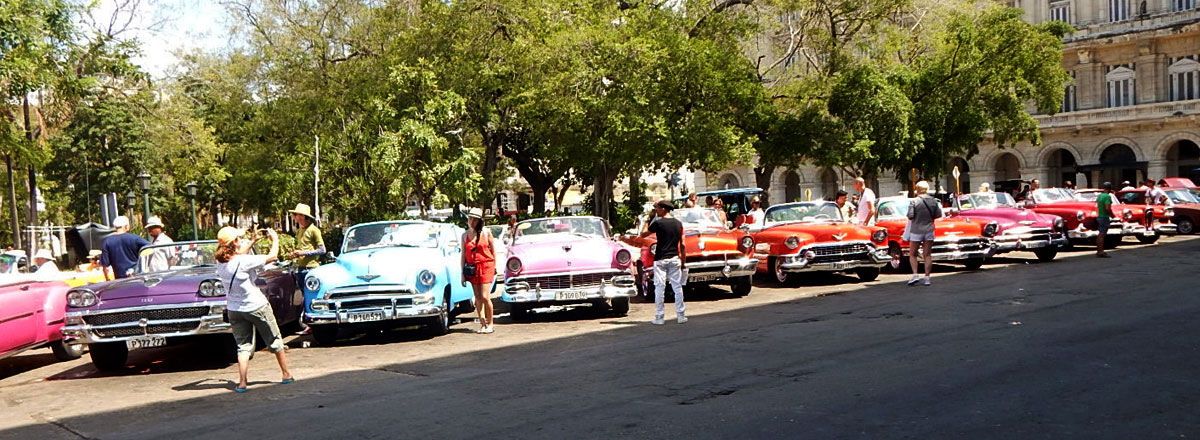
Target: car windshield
pixel 696 218
pixel 398 234
pixel 580 226
pixel 986 201
pixel 1087 196
pixel 894 208
pixel 8 263
pixel 1182 196
pixel 175 256
pixel 1051 195
pixel 803 212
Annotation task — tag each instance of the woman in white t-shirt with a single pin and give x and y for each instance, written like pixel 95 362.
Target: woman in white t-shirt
pixel 248 309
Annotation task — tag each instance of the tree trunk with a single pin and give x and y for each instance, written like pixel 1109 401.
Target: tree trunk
pixel 13 213
pixel 602 191
pixel 762 178
pixel 539 196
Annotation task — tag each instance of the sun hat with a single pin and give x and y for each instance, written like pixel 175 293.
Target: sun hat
pixel 303 210
pixel 229 234
pixel 663 204
pixel 94 253
pixel 120 222
pixel 43 253
pixel 154 222
pixel 475 213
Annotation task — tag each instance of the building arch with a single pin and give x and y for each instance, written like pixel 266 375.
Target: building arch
pixel 989 162
pixel 829 183
pixel 1118 163
pixel 729 180
pixel 792 190
pixel 1099 150
pixel 1164 146
pixel 1045 154
pixel 964 170
pixel 1183 160
pixel 1008 166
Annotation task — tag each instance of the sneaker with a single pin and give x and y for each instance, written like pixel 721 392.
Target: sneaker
pixel 681 319
pixel 915 279
pixel 657 321
pixel 487 329
pixel 926 282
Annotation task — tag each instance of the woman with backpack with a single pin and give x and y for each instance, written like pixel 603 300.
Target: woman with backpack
pixel 922 211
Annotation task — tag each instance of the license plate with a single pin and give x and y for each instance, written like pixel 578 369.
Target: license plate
pixel 702 278
pixel 354 317
pixel 1148 233
pixel 570 296
pixel 841 265
pixel 145 342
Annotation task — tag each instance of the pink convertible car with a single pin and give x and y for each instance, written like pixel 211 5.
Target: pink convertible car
pixel 31 316
pixel 566 260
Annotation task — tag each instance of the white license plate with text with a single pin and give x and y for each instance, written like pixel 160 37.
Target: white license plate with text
pixel 570 295
pixel 375 315
pixel 145 342
pixel 841 265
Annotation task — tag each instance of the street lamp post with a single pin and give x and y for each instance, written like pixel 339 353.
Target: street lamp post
pixel 144 177
pixel 191 192
pixel 130 201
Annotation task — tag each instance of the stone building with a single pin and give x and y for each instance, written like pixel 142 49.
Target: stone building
pixel 1132 111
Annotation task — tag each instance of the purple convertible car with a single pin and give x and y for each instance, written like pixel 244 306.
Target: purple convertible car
pixel 174 296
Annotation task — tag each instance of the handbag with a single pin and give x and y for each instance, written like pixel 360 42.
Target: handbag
pixel 468 270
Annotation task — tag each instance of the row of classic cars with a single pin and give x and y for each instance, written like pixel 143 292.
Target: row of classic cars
pixel 407 273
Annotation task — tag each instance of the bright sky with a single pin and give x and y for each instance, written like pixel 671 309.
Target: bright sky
pixel 164 27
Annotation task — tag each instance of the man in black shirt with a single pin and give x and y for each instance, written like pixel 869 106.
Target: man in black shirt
pixel 668 259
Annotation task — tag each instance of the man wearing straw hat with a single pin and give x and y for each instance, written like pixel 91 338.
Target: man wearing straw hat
pixel 310 246
pixel 45 262
pixel 160 260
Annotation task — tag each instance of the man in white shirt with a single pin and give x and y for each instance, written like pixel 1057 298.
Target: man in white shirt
pixel 866 203
pixel 44 262
pixel 756 218
pixel 161 259
pixel 1155 195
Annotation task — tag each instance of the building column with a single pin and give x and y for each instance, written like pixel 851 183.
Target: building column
pixel 1150 70
pixel 1157 169
pixel 1042 174
pixel 1090 87
pixel 700 181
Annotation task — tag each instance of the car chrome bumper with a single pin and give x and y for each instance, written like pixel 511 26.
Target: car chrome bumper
pixel 1009 244
pixel 78 330
pixel 1116 228
pixel 797 264
pixel 521 292
pixel 393 307
pixel 1166 229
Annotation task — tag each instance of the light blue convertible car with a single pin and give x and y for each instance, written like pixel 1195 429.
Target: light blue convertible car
pixel 391 273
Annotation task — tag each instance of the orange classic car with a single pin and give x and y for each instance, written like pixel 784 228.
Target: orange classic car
pixel 715 254
pixel 956 239
pixel 813 237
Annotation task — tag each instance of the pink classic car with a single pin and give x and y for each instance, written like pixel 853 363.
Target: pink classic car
pixel 1019 229
pixel 32 311
pixel 566 260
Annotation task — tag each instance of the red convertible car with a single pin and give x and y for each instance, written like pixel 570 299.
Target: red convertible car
pixel 956 239
pixel 1152 224
pixel 715 253
pixel 1080 216
pixel 1183 212
pixel 813 237
pixel 1020 229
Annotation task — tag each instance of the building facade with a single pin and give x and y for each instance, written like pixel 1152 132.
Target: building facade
pixel 1132 111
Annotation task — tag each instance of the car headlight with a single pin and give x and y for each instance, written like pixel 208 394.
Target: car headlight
pixel 792 242
pixel 1079 215
pixel 1168 212
pixel 879 236
pixel 746 243
pixel 425 280
pixel 82 298
pixel 312 283
pixel 1127 214
pixel 623 257
pixel 991 229
pixel 1060 225
pixel 514 265
pixel 211 288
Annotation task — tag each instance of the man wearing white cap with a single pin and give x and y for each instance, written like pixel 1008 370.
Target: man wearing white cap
pixel 160 260
pixel 45 262
pixel 119 252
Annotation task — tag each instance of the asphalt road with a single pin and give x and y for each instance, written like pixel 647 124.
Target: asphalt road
pixel 1077 348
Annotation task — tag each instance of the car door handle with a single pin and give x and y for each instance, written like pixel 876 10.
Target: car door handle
pixel 24 287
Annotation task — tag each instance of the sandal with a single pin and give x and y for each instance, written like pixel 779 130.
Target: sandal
pixel 288 380
pixel 239 390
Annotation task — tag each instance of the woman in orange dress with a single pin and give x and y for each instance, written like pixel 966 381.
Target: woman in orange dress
pixel 479 266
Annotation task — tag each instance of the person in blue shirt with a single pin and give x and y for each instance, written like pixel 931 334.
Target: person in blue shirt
pixel 119 252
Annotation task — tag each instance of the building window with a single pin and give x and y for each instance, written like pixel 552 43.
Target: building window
pixel 1061 11
pixel 1183 5
pixel 1069 103
pixel 1120 87
pixel 1184 77
pixel 1118 10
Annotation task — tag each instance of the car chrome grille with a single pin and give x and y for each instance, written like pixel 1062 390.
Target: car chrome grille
pixel 351 294
pixel 149 314
pixel 149 330
pixel 833 253
pixel 963 245
pixel 376 303
pixel 567 281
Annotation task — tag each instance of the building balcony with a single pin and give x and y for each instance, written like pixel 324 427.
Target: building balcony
pixel 1136 24
pixel 1141 112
